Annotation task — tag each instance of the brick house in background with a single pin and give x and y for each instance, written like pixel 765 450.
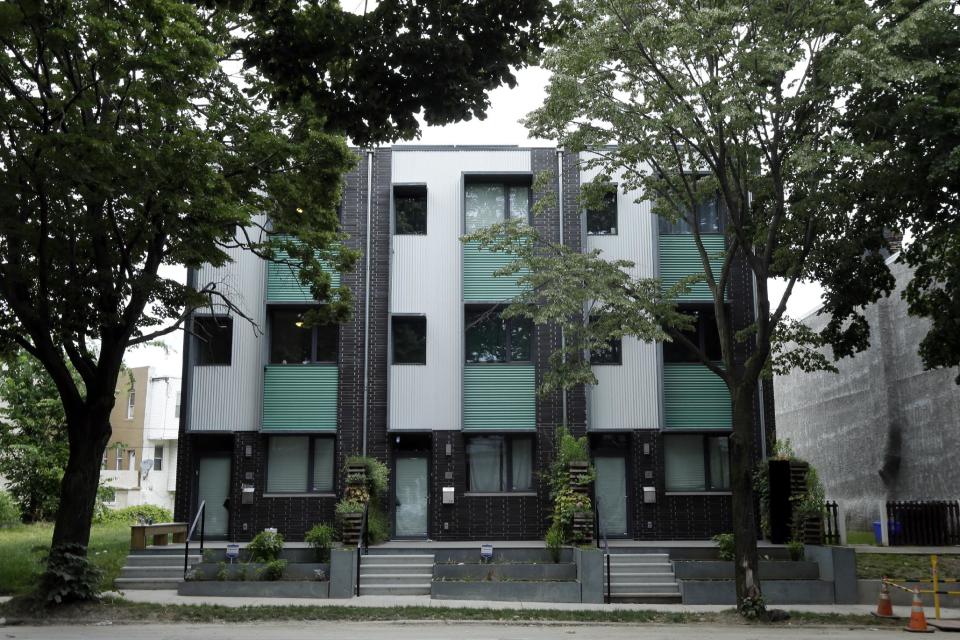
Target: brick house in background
pixel 427 378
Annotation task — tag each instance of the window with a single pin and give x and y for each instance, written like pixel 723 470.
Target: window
pixel 132 454
pixel 300 464
pixel 158 458
pixel 709 213
pixel 410 210
pixel 176 408
pixel 611 354
pixel 488 203
pixel 704 334
pixel 603 221
pixel 291 342
pixel 697 462
pixel 214 339
pixel 499 464
pixel 131 403
pixel 409 339
pixel 490 338
pixel 119 458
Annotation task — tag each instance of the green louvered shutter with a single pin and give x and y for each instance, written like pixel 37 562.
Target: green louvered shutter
pixel 694 398
pixel 300 398
pixel 679 258
pixel 499 397
pixel 479 283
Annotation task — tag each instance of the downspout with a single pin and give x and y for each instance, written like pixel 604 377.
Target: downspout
pixel 563 337
pixel 366 303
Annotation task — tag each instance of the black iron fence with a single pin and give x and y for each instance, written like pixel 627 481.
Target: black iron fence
pixel 831 522
pixel 923 523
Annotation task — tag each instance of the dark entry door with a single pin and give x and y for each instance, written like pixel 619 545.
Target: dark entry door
pixel 412 493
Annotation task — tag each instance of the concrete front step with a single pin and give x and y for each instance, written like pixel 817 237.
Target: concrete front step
pixel 395 589
pixel 396 568
pixel 152 572
pixel 647 598
pixel 644 588
pixel 634 567
pixel 396 559
pixel 627 578
pixel 157 560
pixel 130 584
pixel 394 579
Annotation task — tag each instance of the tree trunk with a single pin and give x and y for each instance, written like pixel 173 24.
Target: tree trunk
pixel 741 481
pixel 88 432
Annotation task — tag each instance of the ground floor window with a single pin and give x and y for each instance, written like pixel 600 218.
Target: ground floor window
pixel 300 464
pixel 498 463
pixel 697 462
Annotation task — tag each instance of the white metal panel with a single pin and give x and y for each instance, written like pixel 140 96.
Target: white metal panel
pixel 161 422
pixel 627 396
pixel 228 398
pixel 426 279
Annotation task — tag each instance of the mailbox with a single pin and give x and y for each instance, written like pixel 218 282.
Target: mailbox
pixel 246 494
pixel 448 495
pixel 649 495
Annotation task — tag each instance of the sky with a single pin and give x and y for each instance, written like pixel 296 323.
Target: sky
pixel 501 126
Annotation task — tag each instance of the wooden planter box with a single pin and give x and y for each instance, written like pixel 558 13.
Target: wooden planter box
pixel 350 528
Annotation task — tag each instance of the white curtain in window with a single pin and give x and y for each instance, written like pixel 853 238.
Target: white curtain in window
pixel 323 464
pixel 484 457
pixel 683 458
pixel 521 463
pixel 484 205
pixel 287 464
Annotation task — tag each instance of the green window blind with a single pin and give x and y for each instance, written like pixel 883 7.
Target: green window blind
pixel 683 458
pixel 287 464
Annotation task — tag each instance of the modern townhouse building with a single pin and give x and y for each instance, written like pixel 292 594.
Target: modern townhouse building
pixel 428 378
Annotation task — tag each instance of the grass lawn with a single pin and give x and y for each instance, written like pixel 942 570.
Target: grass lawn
pixel 24 547
pixel 905 567
pixel 861 537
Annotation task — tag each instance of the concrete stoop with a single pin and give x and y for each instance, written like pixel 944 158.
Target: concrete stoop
pixel 642 577
pixel 153 570
pixel 396 574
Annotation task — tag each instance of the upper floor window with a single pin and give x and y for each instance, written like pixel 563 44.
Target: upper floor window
pixel 409 339
pixel 490 338
pixel 603 221
pixel 292 342
pixel 709 214
pixel 158 458
pixel 410 209
pixel 213 339
pixel 611 354
pixel 704 335
pixel 131 403
pixel 489 203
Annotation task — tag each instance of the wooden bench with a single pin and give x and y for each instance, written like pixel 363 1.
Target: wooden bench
pixel 160 531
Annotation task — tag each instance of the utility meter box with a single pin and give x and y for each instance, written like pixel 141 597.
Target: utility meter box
pixel 448 495
pixel 246 494
pixel 649 495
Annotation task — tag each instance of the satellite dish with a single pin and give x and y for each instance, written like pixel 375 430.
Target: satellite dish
pixel 146 466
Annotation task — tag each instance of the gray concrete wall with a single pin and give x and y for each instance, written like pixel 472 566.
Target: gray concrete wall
pixel 775 592
pixel 882 428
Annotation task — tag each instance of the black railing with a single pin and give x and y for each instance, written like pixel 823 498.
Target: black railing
pixel 831 522
pixel 362 543
pixel 923 523
pixel 202 518
pixel 604 545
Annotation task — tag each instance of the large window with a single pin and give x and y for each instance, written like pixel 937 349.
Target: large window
pixel 610 354
pixel 704 334
pixel 410 209
pixel 300 464
pixel 697 462
pixel 292 342
pixel 409 339
pixel 158 458
pixel 500 464
pixel 603 221
pixel 131 404
pixel 709 213
pixel 490 338
pixel 488 203
pixel 213 340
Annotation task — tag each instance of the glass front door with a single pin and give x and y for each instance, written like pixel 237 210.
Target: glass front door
pixel 214 489
pixel 611 493
pixel 411 503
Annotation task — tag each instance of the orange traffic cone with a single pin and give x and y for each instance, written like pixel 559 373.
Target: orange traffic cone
pixel 918 622
pixel 884 606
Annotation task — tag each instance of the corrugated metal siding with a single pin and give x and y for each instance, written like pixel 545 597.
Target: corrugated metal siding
pixel 283 285
pixel 627 396
pixel 499 397
pixel 228 398
pixel 679 258
pixel 694 398
pixel 426 278
pixel 479 283
pixel 300 397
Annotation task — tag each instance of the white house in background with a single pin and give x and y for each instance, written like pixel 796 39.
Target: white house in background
pixel 140 461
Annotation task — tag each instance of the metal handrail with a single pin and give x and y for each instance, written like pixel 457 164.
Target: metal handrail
pixel 362 542
pixel 202 517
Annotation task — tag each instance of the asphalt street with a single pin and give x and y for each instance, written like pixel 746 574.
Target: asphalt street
pixel 434 631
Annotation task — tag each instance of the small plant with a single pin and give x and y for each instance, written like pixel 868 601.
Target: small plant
pixel 265 546
pixel 70 576
pixel 272 570
pixel 795 549
pixel 554 540
pixel 137 514
pixel 9 511
pixel 222 573
pixel 752 607
pixel 726 545
pixel 320 538
pixel 345 507
pixel 241 575
pixel 319 574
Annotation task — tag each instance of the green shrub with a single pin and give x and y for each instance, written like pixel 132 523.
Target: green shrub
pixel 320 538
pixel 554 540
pixel 349 506
pixel 795 549
pixel 265 546
pixel 222 573
pixel 70 576
pixel 378 475
pixel 272 570
pixel 138 514
pixel 9 511
pixel 726 545
pixel 378 525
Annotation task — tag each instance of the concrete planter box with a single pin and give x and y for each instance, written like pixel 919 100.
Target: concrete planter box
pixel 302 571
pixel 258 589
pixel 290 555
pixel 500 555
pixel 775 592
pixel 507 591
pixel 505 571
pixel 723 570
